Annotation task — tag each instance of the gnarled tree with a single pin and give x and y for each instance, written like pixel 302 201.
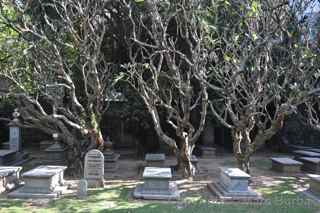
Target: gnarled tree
pixel 63 87
pixel 167 54
pixel 262 70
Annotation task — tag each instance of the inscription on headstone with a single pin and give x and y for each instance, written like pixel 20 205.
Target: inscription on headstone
pixel 94 168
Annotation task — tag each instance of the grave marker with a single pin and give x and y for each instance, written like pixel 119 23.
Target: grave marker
pixel 94 168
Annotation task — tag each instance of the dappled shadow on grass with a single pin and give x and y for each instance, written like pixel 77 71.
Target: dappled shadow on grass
pixel 6 203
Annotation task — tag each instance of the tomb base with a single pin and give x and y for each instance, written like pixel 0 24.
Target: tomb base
pixel 9 178
pixel 143 192
pixel 22 194
pixel 41 182
pixel 233 186
pixel 13 158
pixel 246 196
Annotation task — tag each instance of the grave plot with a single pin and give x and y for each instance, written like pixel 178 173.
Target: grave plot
pixel 285 165
pixel 155 160
pixel 94 168
pixel 157 185
pixel 303 153
pixel 41 182
pixel 310 164
pixel 9 178
pixel 233 185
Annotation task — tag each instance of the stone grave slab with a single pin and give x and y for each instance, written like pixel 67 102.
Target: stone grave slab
pixel 157 185
pixel 310 164
pixel 110 161
pixel 41 182
pixel 208 152
pixel 7 157
pixel 94 168
pixel 233 185
pixel 283 164
pixel 9 178
pixel 314 150
pixel 303 153
pixel 155 160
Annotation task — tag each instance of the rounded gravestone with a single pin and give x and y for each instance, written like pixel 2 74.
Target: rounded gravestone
pixel 94 168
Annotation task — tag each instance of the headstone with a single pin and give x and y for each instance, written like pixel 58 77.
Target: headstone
pixel 56 154
pixel 15 133
pixel 9 178
pixel 157 185
pixel 303 153
pixel 82 189
pixel 233 185
pixel 110 161
pixel 310 164
pixel 155 160
pixel 110 157
pixel 285 165
pixel 41 182
pixel 14 155
pixel 94 168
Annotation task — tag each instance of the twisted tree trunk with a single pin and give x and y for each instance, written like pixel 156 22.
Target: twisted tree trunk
pixel 184 158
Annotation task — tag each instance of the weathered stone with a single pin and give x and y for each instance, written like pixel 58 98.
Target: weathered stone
pixel 303 153
pixel 94 168
pixel 314 150
pixel 7 156
pixel 156 185
pixel 110 161
pixel 310 164
pixel 41 182
pixel 9 178
pixel 286 165
pixel 56 154
pixel 82 189
pixel 155 160
pixel 234 185
pixel 15 132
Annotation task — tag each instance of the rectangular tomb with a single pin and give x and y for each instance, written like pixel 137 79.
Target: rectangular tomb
pixel 155 160
pixel 41 182
pixel 9 178
pixel 157 185
pixel 7 156
pixel 233 185
pixel 314 150
pixel 310 164
pixel 303 153
pixel 284 164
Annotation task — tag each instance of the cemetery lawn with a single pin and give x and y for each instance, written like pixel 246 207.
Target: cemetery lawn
pixel 280 191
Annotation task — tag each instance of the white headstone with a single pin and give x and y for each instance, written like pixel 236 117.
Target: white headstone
pixel 94 168
pixel 14 138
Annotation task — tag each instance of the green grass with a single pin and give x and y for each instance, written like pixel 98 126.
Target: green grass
pixel 280 198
